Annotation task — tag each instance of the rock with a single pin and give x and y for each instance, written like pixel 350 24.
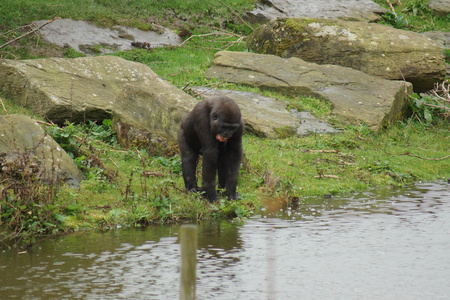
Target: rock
pixel 268 117
pixel 77 89
pixel 372 48
pixel 440 7
pixel 89 39
pixel 268 10
pixel 25 148
pixel 356 96
pixel 150 118
pixel 439 37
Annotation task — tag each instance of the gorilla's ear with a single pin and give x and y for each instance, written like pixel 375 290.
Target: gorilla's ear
pixel 214 116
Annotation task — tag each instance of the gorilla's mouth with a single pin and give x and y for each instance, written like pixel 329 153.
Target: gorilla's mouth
pixel 221 138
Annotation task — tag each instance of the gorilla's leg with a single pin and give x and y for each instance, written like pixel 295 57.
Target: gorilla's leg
pixel 209 169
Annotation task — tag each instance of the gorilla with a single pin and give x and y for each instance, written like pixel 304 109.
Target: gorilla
pixel 214 130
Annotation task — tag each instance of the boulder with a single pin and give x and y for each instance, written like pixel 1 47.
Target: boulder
pixel 269 117
pixel 440 7
pixel 356 96
pixel 150 118
pixel 25 149
pixel 441 38
pixel 375 49
pixel 90 39
pixel 267 10
pixel 77 89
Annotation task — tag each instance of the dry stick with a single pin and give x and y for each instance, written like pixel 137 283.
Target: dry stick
pixel 28 33
pixel 328 176
pixel 200 35
pixel 426 158
pixel 321 151
pixel 3 105
pixel 9 31
pixel 392 8
pixel 236 14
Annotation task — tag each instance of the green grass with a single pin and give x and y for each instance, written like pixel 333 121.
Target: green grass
pixel 128 187
pixel 124 12
pixel 414 15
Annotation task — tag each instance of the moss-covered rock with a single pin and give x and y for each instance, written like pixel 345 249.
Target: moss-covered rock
pixel 150 119
pixel 372 48
pixel 27 151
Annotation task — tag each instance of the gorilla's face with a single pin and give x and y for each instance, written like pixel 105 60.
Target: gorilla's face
pixel 225 120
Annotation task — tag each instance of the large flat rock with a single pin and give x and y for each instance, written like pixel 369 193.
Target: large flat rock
pixel 80 89
pixel 89 39
pixel 353 9
pixel 375 49
pixel 267 116
pixel 356 96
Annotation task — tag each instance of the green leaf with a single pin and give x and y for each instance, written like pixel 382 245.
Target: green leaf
pixel 428 116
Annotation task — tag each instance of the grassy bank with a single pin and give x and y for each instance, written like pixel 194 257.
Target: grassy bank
pixel 128 187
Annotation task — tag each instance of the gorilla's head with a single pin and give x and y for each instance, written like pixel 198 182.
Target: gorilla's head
pixel 225 118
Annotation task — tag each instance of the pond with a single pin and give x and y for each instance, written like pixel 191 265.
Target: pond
pixel 377 245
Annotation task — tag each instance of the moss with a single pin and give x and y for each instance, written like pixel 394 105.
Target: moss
pixel 279 36
pixel 285 132
pixel 297 24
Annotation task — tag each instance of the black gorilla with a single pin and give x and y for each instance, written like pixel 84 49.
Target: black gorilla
pixel 214 130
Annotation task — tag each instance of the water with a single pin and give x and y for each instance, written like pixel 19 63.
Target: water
pixel 385 245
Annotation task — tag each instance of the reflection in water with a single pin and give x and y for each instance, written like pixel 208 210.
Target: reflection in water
pixel 371 246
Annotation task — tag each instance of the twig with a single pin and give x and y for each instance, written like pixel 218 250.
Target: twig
pixel 239 40
pixel 113 162
pixel 321 151
pixel 3 105
pixel 425 158
pixel 44 123
pixel 199 35
pixel 236 14
pixel 328 176
pixel 28 33
pixel 9 31
pixel 392 8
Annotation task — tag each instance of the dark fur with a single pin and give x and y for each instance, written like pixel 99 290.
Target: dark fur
pixel 198 136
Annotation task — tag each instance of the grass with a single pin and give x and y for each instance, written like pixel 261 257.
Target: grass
pixel 414 15
pixel 129 187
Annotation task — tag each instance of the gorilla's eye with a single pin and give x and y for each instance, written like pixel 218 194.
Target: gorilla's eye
pixel 214 116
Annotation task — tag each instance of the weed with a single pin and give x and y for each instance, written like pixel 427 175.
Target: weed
pixel 417 7
pixel 27 204
pixel 447 55
pixel 231 209
pixel 434 107
pixel 172 163
pixel 398 21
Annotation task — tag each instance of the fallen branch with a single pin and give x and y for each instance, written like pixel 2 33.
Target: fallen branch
pixel 28 33
pixel 3 105
pixel 328 176
pixel 9 31
pixel 199 35
pixel 321 151
pixel 426 158
pixel 392 7
pixel 223 33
